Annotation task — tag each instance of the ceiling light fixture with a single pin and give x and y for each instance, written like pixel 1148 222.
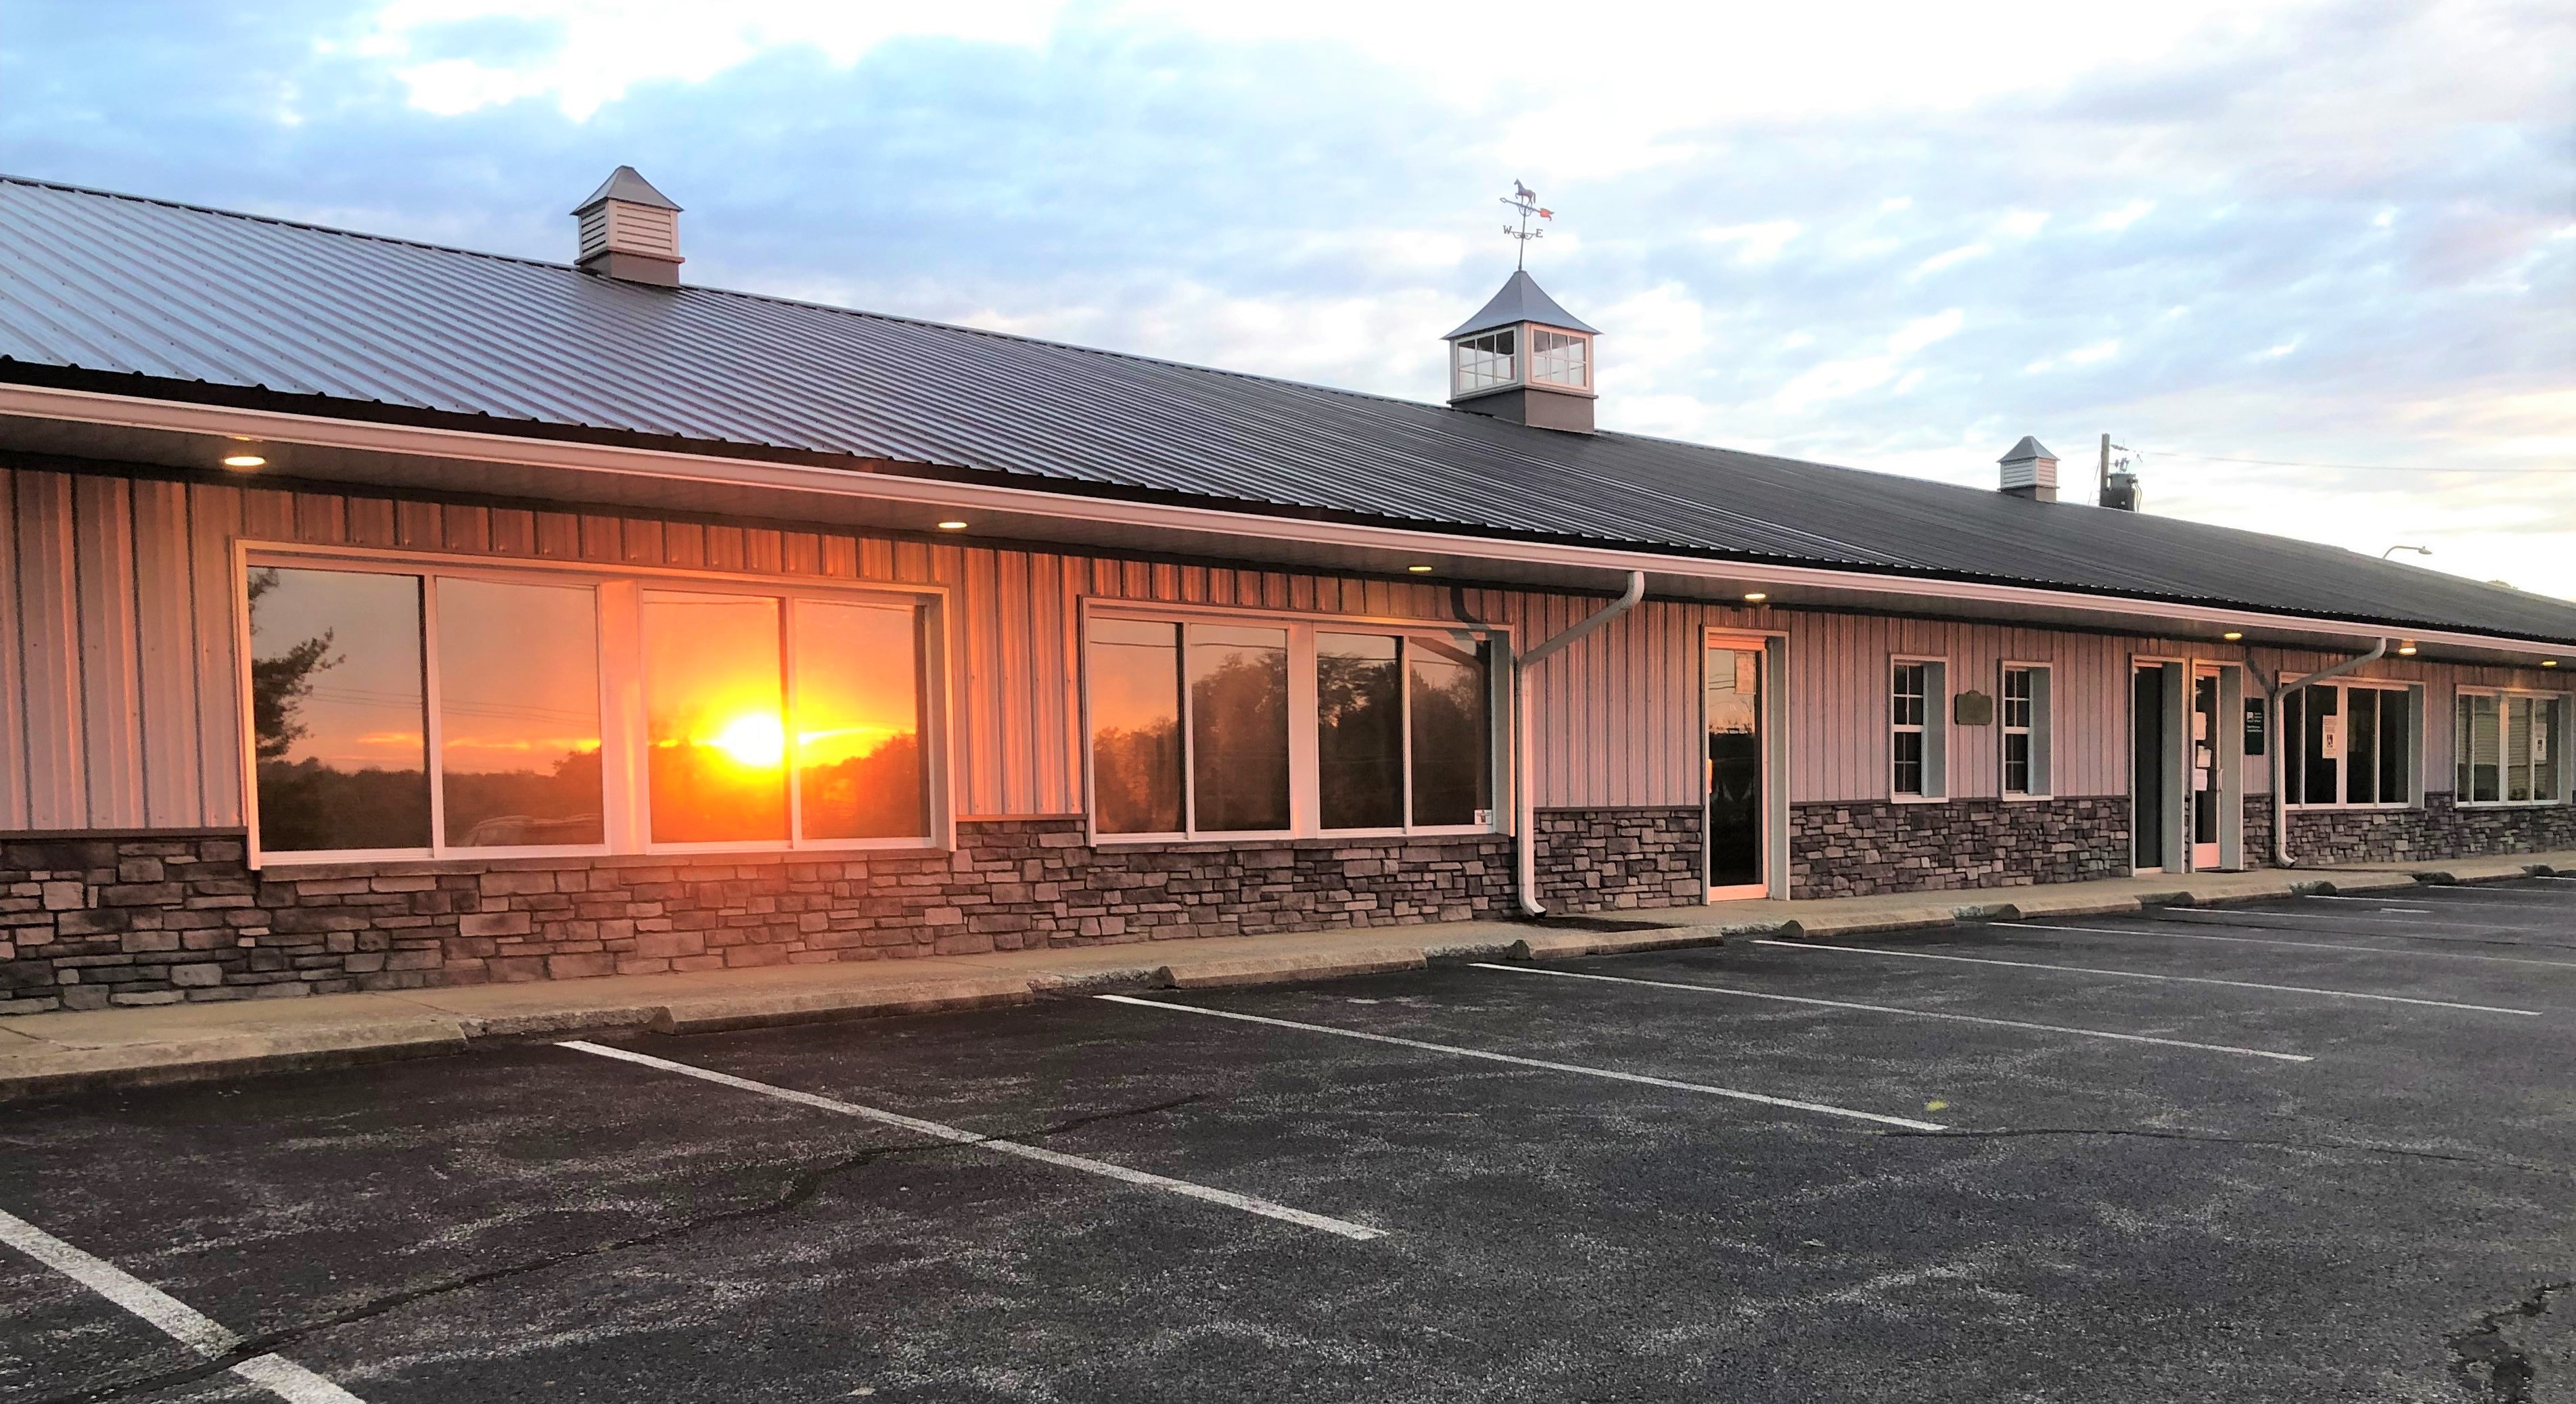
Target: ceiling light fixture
pixel 2406 650
pixel 2549 662
pixel 2231 636
pixel 952 526
pixel 245 460
pixel 1754 597
pixel 1419 569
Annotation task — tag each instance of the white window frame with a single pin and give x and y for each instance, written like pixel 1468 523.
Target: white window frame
pixel 2294 747
pixel 625 792
pixel 1517 358
pixel 2504 697
pixel 2041 730
pixel 1935 728
pixel 1531 333
pixel 1305 802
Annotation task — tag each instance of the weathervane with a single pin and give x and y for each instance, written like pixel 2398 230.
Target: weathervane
pixel 1525 200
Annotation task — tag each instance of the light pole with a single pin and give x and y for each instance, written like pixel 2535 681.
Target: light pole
pixel 2418 550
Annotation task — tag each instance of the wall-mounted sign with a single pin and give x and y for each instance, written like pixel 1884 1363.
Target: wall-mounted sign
pixel 1973 709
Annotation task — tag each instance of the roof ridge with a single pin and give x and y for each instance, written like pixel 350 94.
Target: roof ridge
pixel 278 220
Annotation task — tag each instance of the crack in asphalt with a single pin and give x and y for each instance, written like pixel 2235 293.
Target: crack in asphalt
pixel 2508 1373
pixel 2221 1138
pixel 800 1188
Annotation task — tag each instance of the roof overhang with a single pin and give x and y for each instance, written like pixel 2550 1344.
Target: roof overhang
pixel 862 496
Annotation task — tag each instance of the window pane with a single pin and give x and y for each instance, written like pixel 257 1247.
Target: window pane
pixel 1134 675
pixel 2322 745
pixel 2395 749
pixel 2517 748
pixel 2361 760
pixel 518 713
pixel 2460 731
pixel 1908 777
pixel 1359 732
pixel 2294 748
pixel 2485 750
pixel 1238 728
pixel 714 714
pixel 2017 762
pixel 858 722
pixel 1453 743
pixel 2544 749
pixel 338 719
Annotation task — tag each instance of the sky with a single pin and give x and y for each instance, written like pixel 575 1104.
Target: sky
pixel 2314 264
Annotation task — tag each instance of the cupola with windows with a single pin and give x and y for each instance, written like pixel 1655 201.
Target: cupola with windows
pixel 1525 359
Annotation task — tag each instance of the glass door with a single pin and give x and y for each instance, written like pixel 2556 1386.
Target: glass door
pixel 2205 791
pixel 1732 704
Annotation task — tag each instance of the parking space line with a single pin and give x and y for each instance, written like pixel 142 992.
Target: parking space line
pixel 2302 945
pixel 167 1314
pixel 2381 902
pixel 2203 914
pixel 2143 975
pixel 2547 905
pixel 1909 1013
pixel 960 1136
pixel 1612 1074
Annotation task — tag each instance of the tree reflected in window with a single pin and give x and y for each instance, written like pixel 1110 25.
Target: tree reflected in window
pixel 858 722
pixel 1134 675
pixel 518 714
pixel 339 729
pixel 1238 728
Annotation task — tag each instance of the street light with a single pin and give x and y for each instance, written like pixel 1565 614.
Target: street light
pixel 2418 550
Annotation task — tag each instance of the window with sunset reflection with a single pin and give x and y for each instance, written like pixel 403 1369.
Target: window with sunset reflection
pixel 714 704
pixel 518 714
pixel 337 716
pixel 858 722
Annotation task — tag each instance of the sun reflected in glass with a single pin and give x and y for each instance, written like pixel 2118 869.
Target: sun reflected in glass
pixel 754 741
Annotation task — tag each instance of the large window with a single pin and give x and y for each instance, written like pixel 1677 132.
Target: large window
pixel 1484 362
pixel 2025 730
pixel 2348 743
pixel 2506 747
pixel 423 713
pixel 1917 734
pixel 1223 727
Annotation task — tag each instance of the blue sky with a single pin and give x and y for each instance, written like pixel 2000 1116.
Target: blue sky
pixel 1894 236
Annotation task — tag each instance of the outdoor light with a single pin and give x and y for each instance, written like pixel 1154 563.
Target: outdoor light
pixel 1419 569
pixel 1754 597
pixel 952 526
pixel 2231 636
pixel 2549 662
pixel 245 460
pixel 2407 650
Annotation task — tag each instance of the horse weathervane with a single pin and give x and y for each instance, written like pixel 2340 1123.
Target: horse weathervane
pixel 1525 200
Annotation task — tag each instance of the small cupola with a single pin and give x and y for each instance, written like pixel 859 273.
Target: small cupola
pixel 630 231
pixel 1525 359
pixel 2030 471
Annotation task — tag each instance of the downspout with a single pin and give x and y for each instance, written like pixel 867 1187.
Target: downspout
pixel 1524 802
pixel 2281 745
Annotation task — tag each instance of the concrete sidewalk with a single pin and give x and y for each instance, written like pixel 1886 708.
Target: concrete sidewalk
pixel 59 1052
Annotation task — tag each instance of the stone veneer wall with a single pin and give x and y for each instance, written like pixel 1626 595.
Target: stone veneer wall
pixel 2437 829
pixel 1867 847
pixel 1596 860
pixel 92 920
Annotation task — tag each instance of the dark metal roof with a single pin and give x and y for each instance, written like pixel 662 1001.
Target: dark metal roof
pixel 1520 299
pixel 627 184
pixel 189 299
pixel 2029 447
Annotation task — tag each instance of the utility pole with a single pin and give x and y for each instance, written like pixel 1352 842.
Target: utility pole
pixel 2102 491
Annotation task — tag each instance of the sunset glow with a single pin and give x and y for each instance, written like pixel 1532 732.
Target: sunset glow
pixel 754 741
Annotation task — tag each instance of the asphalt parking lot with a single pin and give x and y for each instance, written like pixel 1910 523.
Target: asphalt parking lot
pixel 2313 1149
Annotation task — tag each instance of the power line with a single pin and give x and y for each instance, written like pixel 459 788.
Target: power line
pixel 2340 467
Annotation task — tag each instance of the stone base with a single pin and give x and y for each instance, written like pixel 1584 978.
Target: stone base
pixel 2438 828
pixel 87 922
pixel 1869 847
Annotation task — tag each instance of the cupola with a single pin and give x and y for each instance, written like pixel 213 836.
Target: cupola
pixel 1525 359
pixel 630 230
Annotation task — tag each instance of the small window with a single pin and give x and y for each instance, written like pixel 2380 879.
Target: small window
pixel 2505 748
pixel 1238 728
pixel 1916 730
pixel 2026 737
pixel 1452 732
pixel 1359 731
pixel 1134 679
pixel 2348 744
pixel 338 702
pixel 518 710
pixel 1485 362
pixel 1560 358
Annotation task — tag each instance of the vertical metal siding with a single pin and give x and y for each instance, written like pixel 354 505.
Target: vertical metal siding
pixel 111 696
pixel 166 657
pixel 13 666
pixel 48 654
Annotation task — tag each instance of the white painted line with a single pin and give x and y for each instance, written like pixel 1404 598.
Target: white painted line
pixel 2440 903
pixel 1910 1013
pixel 2380 902
pixel 2142 975
pixel 2301 945
pixel 171 1316
pixel 1613 1075
pixel 959 1135
pixel 2219 914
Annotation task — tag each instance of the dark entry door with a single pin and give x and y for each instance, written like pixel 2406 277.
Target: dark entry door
pixel 2147 767
pixel 1734 708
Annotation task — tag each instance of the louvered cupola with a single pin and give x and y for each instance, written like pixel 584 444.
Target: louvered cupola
pixel 631 231
pixel 1525 359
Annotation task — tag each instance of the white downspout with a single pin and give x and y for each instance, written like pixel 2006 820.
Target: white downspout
pixel 1524 802
pixel 2281 746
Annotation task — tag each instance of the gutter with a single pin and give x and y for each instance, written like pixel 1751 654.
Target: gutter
pixel 2281 745
pixel 1524 801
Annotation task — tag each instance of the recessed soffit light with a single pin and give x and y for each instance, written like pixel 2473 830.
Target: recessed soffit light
pixel 2231 636
pixel 1419 569
pixel 1754 597
pixel 952 526
pixel 244 460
